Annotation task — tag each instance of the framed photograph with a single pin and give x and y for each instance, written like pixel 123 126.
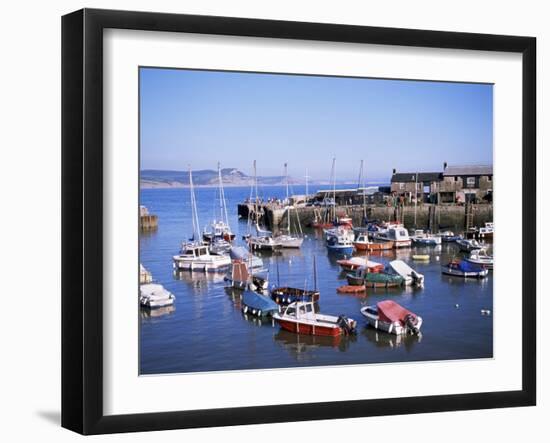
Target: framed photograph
pixel 268 221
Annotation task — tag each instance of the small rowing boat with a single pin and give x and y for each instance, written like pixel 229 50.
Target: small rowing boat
pixel 153 296
pixel 468 245
pixel 421 257
pixel 362 243
pixel 409 274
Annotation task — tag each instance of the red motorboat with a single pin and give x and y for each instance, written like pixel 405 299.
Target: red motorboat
pixel 301 318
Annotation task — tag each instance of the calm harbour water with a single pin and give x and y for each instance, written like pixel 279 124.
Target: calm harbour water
pixel 205 330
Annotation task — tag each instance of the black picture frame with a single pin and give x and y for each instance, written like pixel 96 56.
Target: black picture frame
pixel 82 215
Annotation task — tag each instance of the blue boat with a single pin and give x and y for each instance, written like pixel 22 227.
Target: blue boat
pixel 340 241
pixel 462 268
pixel 258 304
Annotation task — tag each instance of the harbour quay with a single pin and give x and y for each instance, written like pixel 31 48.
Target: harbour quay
pixel 427 215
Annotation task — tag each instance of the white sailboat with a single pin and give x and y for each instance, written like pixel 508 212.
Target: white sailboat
pixel 288 240
pixel 194 255
pixel 218 233
pixel 263 240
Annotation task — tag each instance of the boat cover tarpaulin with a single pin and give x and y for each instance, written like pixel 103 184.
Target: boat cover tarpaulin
pixel 466 266
pixel 390 312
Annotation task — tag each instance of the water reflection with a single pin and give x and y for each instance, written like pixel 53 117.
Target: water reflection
pixel 147 313
pixel 303 347
pixel 384 340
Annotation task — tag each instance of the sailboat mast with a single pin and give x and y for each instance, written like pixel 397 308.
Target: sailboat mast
pixel 287 199
pixel 194 215
pixel 333 188
pixel 307 189
pixel 415 197
pixel 223 205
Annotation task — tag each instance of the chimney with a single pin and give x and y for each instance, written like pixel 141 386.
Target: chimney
pixel 394 171
pixel 444 166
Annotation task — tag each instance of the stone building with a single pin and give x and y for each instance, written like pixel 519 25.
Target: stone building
pixel 408 185
pixel 469 183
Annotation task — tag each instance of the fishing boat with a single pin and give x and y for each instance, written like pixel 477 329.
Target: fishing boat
pixel 258 304
pixel 354 263
pixel 393 318
pixel 153 296
pixel 241 253
pixel 339 240
pixel 480 257
pixel 287 240
pixel 194 254
pixel 362 243
pixel 240 277
pixel 421 238
pixel 144 275
pixel 462 268
pixel 409 274
pixel 468 245
pixel 300 317
pixel 285 295
pixel 374 279
pixel 219 228
pixel 396 234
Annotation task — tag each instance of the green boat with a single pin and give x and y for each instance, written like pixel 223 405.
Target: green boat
pixel 375 279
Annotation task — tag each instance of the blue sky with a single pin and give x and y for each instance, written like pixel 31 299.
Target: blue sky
pixel 202 117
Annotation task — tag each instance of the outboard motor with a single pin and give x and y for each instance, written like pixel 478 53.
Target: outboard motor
pixel 345 324
pixel 418 279
pixel 410 323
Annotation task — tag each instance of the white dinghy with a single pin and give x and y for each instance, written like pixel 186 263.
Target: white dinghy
pixel 153 295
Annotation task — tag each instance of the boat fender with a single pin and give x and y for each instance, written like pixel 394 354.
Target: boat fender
pixel 245 309
pixel 259 313
pixel 253 311
pixel 277 300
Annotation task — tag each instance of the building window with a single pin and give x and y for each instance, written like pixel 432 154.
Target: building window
pixel 471 182
pixel 456 179
pixel 489 178
pixel 401 185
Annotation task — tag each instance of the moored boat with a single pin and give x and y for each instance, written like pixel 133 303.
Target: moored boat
pixel 354 263
pixel 144 275
pixel 480 257
pixel 301 318
pixel 194 254
pixel 393 318
pixel 409 274
pixel 287 295
pixel 420 238
pixel 374 279
pixel 240 277
pixel 363 243
pixel 396 234
pixel 339 240
pixel 468 245
pixel 462 268
pixel 258 304
pixel 153 296
pixel 241 253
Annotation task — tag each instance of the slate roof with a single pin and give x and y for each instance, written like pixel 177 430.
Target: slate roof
pixel 410 177
pixel 468 170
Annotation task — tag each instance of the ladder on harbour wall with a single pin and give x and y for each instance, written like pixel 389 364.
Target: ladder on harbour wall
pixel 468 217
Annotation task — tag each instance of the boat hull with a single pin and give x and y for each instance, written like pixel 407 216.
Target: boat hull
pixel 308 329
pixel 374 246
pixel 464 274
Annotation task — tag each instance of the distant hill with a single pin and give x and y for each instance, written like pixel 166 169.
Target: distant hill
pixel 153 178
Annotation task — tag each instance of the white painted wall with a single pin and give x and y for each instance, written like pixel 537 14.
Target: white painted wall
pixel 30 219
